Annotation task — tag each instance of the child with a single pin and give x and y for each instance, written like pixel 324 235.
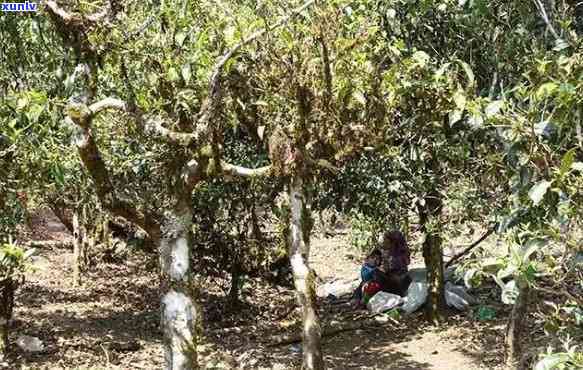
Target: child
pixel 371 263
pixel 368 273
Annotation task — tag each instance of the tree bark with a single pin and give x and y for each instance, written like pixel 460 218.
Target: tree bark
pixel 77 247
pixel 235 281
pixel 179 313
pixel 429 214
pixel 515 329
pixel 3 337
pixel 60 212
pixel 304 277
pixel 7 288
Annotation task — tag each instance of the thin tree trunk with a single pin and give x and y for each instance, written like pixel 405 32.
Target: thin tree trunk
pixel 106 239
pixel 88 245
pixel 429 214
pixel 255 228
pixel 179 314
pixel 515 329
pixel 304 277
pixel 77 247
pixel 3 338
pixel 7 289
pixel 235 280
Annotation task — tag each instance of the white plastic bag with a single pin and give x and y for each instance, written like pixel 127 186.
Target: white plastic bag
pixel 456 296
pixel 29 344
pixel 383 301
pixel 337 288
pixel 416 296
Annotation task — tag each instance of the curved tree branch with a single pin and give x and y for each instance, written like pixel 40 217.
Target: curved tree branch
pixel 95 165
pixel 153 125
pixel 75 19
pixel 544 15
pixel 472 246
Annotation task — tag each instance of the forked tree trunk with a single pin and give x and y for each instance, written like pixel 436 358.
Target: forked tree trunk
pixel 299 252
pixel 429 218
pixel 515 329
pixel 179 314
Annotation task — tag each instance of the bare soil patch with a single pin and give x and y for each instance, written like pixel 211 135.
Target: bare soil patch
pixel 112 321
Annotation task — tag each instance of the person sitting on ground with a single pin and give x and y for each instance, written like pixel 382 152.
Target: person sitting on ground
pixel 371 263
pixel 368 274
pixel 396 258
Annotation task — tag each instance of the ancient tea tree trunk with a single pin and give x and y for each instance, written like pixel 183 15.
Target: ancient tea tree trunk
pixel 304 276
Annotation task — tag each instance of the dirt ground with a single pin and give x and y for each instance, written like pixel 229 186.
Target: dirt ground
pixel 112 321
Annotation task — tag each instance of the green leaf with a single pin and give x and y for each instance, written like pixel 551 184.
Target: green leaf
pixel 173 74
pixel 510 292
pixel 58 174
pixel 421 57
pixel 577 166
pixel 546 90
pixel 551 361
pixel 530 247
pixel 471 278
pixel 180 37
pixel 567 162
pixel 469 73
pixel 538 191
pixel 494 108
pixel 486 313
pixel 530 273
pixel 455 116
pixel 359 96
pixel 186 72
pixel 459 98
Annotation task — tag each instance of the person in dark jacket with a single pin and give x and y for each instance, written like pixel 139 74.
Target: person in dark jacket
pixel 396 258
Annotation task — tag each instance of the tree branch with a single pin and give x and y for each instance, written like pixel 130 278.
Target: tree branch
pixel 75 19
pixel 472 246
pixel 152 125
pixel 95 165
pixel 560 292
pixel 108 103
pixel 545 17
pixel 327 71
pixel 238 171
